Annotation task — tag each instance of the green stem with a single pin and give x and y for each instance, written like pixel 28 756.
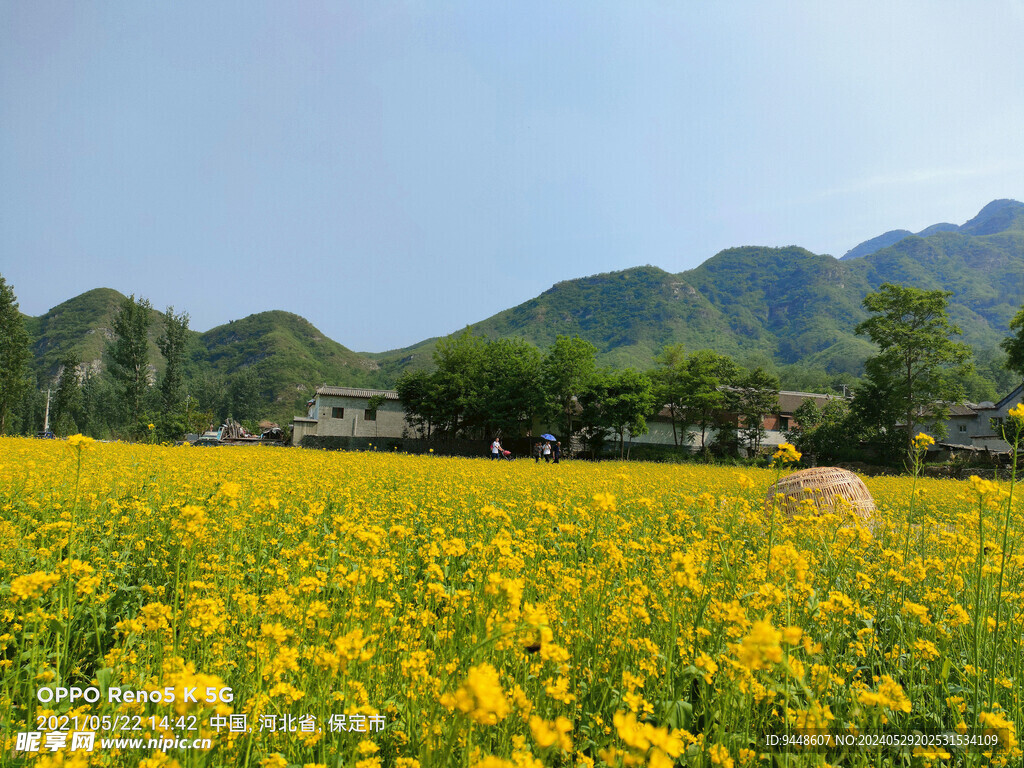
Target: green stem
pixel 1002 569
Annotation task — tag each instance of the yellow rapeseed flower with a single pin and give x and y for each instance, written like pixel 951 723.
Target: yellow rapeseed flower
pixel 922 441
pixel 786 453
pixel 480 696
pixel 33 585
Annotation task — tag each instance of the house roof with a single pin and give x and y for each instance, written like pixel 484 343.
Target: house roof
pixel 389 394
pixel 961 410
pixel 1015 395
pixel 790 401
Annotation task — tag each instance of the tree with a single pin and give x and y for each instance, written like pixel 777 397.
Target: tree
pixel 99 405
pixel 615 402
pixel 245 395
pixel 825 433
pixel 628 401
pixel 172 421
pixel 456 384
pixel 129 357
pixel 509 394
pixel 66 410
pixel 918 370
pixel 567 371
pixel 670 382
pixel 756 397
pixel 14 354
pixel 703 398
pixel 1014 344
pixel 172 347
pixel 417 394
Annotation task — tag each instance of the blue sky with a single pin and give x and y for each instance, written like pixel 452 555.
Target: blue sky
pixel 393 171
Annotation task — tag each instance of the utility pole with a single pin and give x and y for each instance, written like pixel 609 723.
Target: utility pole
pixel 46 416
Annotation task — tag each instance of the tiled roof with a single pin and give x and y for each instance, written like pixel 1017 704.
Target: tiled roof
pixel 790 401
pixel 353 392
pixel 961 410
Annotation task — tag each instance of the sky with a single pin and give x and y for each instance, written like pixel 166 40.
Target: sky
pixel 393 171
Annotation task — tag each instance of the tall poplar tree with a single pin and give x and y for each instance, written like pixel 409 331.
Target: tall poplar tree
pixel 129 356
pixel 14 354
pixel 172 347
pixel 66 411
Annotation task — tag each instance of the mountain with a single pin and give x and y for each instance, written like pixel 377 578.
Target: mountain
pixel 82 325
pixel 760 305
pixel 877 243
pixel 997 216
pixel 785 305
pixel 289 354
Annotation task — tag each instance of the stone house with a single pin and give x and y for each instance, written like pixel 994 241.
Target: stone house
pixel 775 424
pixel 345 412
pixel 977 426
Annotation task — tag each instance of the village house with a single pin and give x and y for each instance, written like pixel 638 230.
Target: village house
pixel 776 424
pixel 345 412
pixel 978 426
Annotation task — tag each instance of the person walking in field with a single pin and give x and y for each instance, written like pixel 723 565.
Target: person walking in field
pixel 547 451
pixel 556 451
pixel 536 452
pixel 496 449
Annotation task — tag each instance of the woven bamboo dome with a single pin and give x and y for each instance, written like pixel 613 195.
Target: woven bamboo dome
pixel 830 488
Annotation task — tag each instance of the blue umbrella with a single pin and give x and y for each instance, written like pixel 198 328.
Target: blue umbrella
pixel 549 437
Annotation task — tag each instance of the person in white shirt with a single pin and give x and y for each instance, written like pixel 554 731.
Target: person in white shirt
pixel 496 449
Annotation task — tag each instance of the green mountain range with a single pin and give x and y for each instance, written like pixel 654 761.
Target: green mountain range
pixel 786 304
pixel 778 305
pixel 287 354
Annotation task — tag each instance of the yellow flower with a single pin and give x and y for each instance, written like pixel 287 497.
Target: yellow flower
pixel 923 441
pixel 80 441
pixel 480 696
pixel 548 734
pixel 760 648
pixel 720 756
pixel 787 452
pixel 890 695
pixel 33 585
pixel 1017 412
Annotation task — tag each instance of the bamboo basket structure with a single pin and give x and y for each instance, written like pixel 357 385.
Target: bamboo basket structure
pixel 830 488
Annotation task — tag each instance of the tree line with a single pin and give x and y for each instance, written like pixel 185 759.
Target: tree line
pixel 479 388
pixel 909 386
pixel 125 397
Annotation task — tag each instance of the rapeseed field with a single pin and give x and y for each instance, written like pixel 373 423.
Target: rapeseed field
pixel 282 607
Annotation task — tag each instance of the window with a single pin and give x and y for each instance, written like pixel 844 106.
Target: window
pixel 783 423
pixel 963 427
pixel 337 413
pixel 369 415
